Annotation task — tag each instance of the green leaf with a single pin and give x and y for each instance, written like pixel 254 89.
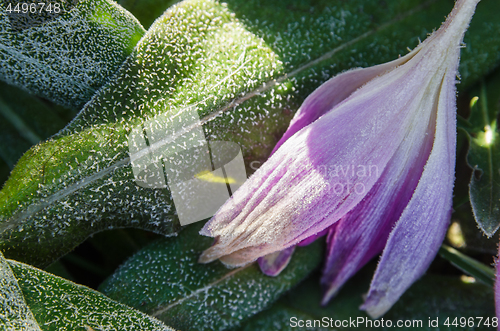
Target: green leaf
pixel 14 312
pixel 66 56
pixel 166 281
pixel 32 299
pixel 243 71
pixel 429 298
pixel 468 265
pixel 484 154
pixel 26 120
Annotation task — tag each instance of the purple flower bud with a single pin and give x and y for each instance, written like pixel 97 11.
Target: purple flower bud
pixel 369 158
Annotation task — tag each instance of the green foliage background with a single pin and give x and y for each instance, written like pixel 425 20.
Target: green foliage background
pixel 75 85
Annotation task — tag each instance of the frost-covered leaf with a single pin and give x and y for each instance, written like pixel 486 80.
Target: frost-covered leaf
pixel 166 281
pixel 32 299
pixel 65 56
pixel 484 154
pixel 24 121
pixel 431 297
pixel 242 67
pixel 14 312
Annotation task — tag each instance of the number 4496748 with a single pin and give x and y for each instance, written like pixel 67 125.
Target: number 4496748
pixel 34 8
pixel 472 322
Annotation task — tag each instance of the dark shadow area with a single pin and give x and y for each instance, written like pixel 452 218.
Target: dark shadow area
pixel 98 257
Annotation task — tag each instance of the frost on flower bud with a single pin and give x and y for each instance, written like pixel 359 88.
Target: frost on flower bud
pixel 369 158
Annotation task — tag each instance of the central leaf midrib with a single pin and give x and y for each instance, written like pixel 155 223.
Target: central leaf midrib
pixel 205 288
pixel 56 196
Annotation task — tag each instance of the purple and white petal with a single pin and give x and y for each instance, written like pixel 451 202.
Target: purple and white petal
pixel 334 91
pixel 294 195
pixel 419 232
pixel 363 232
pixel 272 264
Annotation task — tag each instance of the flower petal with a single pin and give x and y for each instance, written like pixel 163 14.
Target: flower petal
pixel 363 232
pixel 312 238
pixel 419 232
pixel 272 264
pixel 318 103
pixel 334 91
pixel 284 202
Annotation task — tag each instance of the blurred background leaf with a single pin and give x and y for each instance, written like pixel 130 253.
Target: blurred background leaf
pixel 484 154
pixel 4 171
pixel 26 120
pixel 468 265
pixel 32 299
